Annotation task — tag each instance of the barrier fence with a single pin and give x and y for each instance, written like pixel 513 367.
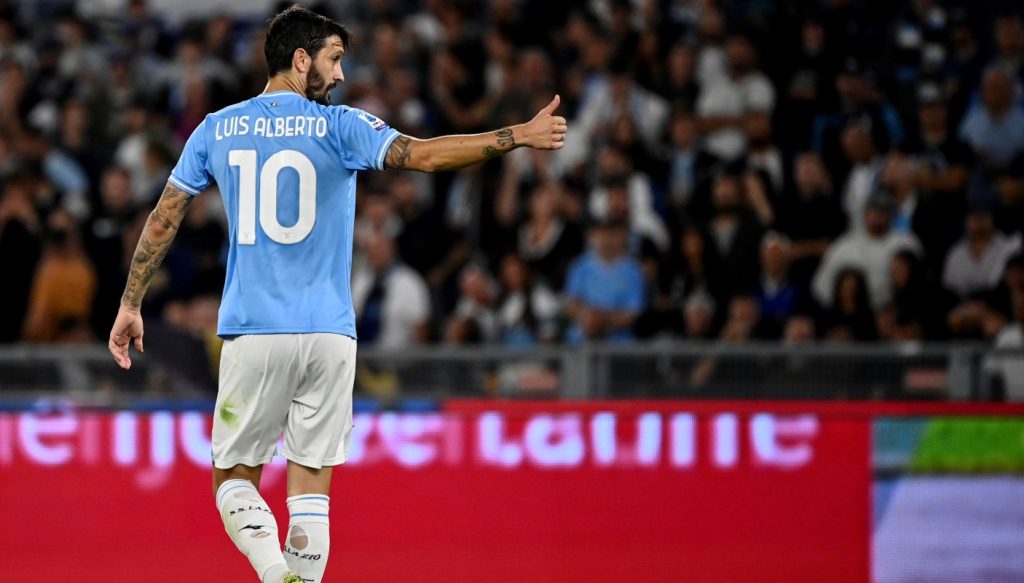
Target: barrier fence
pixel 767 371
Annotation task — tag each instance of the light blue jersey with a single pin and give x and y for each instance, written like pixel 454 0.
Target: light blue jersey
pixel 286 168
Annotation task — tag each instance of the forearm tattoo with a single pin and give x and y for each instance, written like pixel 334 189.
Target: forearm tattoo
pixel 399 153
pixel 505 139
pixel 153 244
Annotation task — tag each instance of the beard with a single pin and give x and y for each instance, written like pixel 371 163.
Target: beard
pixel 317 88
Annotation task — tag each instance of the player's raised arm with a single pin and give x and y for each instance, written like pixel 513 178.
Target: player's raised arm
pixel 157 236
pixel 545 131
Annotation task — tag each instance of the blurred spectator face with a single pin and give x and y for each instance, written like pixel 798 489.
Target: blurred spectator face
pixel 377 212
pixel 898 174
pixel 116 190
pixel 979 225
pixel 743 312
pixel 857 144
pixel 624 132
pixel 1013 275
pixel 798 330
pixel 681 65
pixel 811 176
pixel 404 194
pixel 1009 36
pixel 1017 299
pixel 996 92
pixel 697 316
pixel 739 54
pixel 692 246
pixel 711 25
pixel 934 117
pixel 618 203
pixel 726 194
pixel 775 254
pixel 476 286
pixel 683 130
pixel 543 203
pixel 900 272
pixel 513 274
pixel 380 252
pixel 848 292
pixel 609 241
pixel 758 127
pixel 613 162
pixel 877 221
pixel 813 36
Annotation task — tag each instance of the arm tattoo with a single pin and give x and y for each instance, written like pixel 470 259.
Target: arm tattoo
pixel 491 152
pixel 399 153
pixel 505 137
pixel 155 241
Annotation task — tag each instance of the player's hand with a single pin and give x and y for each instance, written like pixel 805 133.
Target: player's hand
pixel 546 131
pixel 127 329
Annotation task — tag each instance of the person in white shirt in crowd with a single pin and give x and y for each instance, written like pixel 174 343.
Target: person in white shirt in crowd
pixel 391 300
pixel 725 100
pixel 975 264
pixel 869 250
pixel 865 172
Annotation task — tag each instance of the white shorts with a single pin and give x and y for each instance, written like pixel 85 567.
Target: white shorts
pixel 297 383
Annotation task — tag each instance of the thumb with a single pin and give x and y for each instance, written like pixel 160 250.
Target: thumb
pixel 551 107
pixel 138 343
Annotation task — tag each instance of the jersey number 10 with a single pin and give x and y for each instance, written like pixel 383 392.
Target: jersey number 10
pixel 246 161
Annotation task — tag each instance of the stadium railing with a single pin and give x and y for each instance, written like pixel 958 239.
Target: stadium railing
pixel 86 375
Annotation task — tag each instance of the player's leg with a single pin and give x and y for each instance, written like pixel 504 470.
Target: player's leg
pixel 252 404
pixel 308 540
pixel 319 423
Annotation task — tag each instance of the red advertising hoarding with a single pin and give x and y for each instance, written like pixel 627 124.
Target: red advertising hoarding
pixel 481 491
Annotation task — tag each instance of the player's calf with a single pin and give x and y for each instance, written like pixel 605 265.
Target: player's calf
pixel 251 526
pixel 308 541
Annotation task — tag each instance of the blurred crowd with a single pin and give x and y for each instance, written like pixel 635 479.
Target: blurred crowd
pixel 837 170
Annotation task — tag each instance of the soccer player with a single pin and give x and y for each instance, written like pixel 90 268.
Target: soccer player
pixel 286 165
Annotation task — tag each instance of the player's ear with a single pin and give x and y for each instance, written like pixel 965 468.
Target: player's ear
pixel 301 61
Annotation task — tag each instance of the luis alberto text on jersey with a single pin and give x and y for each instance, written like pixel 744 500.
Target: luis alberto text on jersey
pixel 286 168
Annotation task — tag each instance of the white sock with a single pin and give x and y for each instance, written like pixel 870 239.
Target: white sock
pixel 309 536
pixel 251 525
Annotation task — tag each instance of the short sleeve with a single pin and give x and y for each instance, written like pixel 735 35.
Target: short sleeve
pixel 635 299
pixel 575 281
pixel 190 174
pixel 363 139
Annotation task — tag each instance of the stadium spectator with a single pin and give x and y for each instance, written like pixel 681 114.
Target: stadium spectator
pixel 604 288
pixel 735 233
pixel 689 278
pixel 61 299
pixel 725 100
pixel 689 164
pixel 474 319
pixel 698 317
pixel 391 300
pixel 811 216
pixel 105 243
pixel 850 316
pixel 866 167
pixel 976 263
pixel 777 297
pixel 20 247
pixel 869 251
pixel 527 311
pixel 994 126
pixel 548 243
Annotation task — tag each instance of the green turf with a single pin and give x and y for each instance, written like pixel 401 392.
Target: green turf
pixel 971 445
